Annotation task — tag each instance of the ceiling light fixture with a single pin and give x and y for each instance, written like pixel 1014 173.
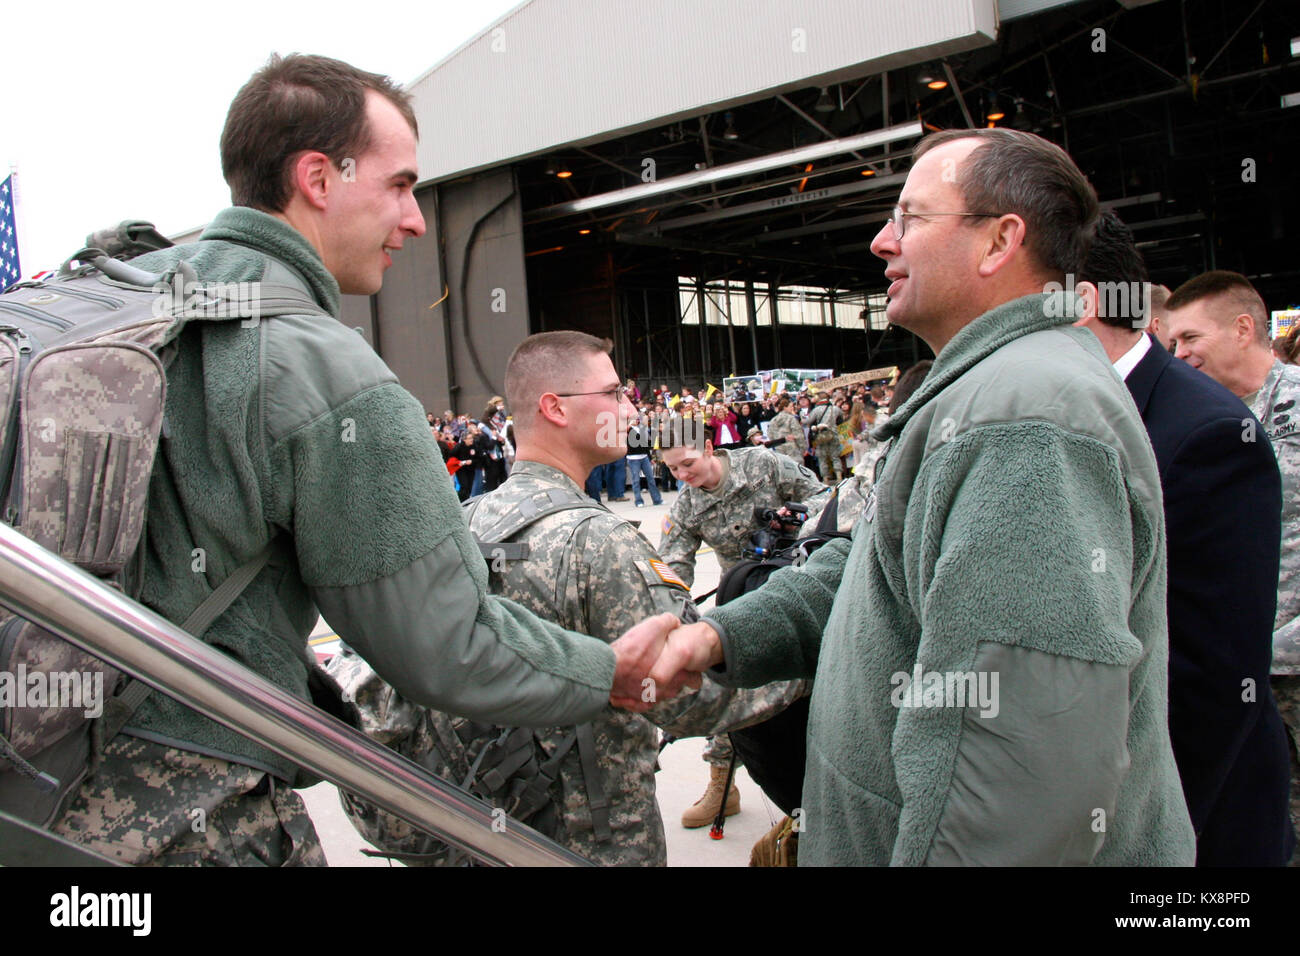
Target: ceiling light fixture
pixel 759 164
pixel 824 103
pixel 730 131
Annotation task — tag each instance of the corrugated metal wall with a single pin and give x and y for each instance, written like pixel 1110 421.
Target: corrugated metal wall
pixel 469 266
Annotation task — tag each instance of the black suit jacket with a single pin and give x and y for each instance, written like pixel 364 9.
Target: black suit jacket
pixel 1223 505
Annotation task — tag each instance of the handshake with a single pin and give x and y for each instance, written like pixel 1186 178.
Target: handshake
pixel 658 657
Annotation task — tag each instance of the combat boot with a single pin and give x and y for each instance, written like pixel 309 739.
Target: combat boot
pixel 702 812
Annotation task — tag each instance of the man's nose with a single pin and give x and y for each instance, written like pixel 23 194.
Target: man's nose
pixel 1180 350
pixel 412 218
pixel 884 244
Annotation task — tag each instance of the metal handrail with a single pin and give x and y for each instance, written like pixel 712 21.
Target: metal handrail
pixel 59 596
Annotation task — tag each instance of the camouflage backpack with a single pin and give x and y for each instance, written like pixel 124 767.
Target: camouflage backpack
pixel 82 400
pixel 504 766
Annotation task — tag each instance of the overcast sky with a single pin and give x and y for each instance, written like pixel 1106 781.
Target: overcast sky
pixel 115 110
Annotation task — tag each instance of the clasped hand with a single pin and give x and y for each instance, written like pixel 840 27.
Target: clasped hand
pixel 658 657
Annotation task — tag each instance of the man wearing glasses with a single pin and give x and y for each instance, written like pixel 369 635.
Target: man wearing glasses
pixel 990 648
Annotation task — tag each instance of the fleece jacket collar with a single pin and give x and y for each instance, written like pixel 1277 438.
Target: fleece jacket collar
pixel 975 342
pixel 279 240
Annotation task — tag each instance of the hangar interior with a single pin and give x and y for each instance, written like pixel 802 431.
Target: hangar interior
pixel 757 215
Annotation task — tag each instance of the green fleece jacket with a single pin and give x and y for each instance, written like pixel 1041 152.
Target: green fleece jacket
pixel 292 426
pixel 990 649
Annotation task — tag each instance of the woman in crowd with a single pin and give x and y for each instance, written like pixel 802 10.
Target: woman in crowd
pixel 723 425
pixel 746 419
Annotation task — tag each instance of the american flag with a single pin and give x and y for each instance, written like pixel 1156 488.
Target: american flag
pixel 10 270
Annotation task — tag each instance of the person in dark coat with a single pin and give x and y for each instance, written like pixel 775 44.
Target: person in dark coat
pixel 1223 500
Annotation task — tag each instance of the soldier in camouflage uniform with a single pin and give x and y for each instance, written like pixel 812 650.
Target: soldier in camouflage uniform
pixel 591 571
pixel 1275 407
pixel 851 497
pixel 717 508
pixel 785 434
pixel 823 432
pixel 1205 321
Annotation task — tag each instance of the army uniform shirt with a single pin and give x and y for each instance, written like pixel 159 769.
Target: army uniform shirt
pixel 592 571
pixel 785 426
pixel 851 495
pixel 1275 405
pixel 724 517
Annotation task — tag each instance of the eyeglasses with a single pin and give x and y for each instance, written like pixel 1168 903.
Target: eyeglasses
pixel 899 218
pixel 614 392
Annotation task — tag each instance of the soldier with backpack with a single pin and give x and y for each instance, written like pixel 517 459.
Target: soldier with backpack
pixel 568 559
pixel 293 476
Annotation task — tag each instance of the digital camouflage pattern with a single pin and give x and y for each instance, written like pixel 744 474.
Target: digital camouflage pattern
pixel 152 805
pixel 592 572
pixel 1275 405
pixel 718 751
pixel 724 517
pixel 91 406
pixel 786 436
pixel 824 432
pixel 852 494
pixel 1286 691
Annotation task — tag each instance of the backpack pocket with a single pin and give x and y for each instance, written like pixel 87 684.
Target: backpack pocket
pixel 48 687
pixel 91 416
pixel 99 488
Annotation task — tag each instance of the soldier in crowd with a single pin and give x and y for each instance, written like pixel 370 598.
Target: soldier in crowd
pixel 851 494
pixel 589 570
pixel 785 434
pixel 717 508
pixel 824 433
pixel 1217 322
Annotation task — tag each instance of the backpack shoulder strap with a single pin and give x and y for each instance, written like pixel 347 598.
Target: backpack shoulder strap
pixel 495 540
pixel 119 708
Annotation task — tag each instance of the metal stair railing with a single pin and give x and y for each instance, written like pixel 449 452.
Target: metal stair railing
pixel 59 596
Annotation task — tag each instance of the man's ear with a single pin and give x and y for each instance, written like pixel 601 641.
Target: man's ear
pixel 551 409
pixel 1007 236
pixel 311 177
pixel 1243 327
pixel 1087 293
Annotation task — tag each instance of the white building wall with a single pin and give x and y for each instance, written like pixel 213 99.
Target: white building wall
pixel 568 72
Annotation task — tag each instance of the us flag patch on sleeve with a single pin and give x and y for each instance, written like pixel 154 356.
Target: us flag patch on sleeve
pixel 666 574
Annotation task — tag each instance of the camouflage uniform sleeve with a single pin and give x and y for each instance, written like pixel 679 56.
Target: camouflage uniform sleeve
pixel 796 482
pixel 628 582
pixel 715 709
pixel 678 544
pixel 1286 633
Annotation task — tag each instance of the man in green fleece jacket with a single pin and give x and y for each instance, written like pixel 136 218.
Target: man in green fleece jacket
pixel 292 430
pixel 990 647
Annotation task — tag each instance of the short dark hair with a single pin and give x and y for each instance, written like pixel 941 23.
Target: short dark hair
pixel 546 362
pixel 1116 267
pixel 292 104
pixel 1236 289
pixel 908 383
pixel 1017 172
